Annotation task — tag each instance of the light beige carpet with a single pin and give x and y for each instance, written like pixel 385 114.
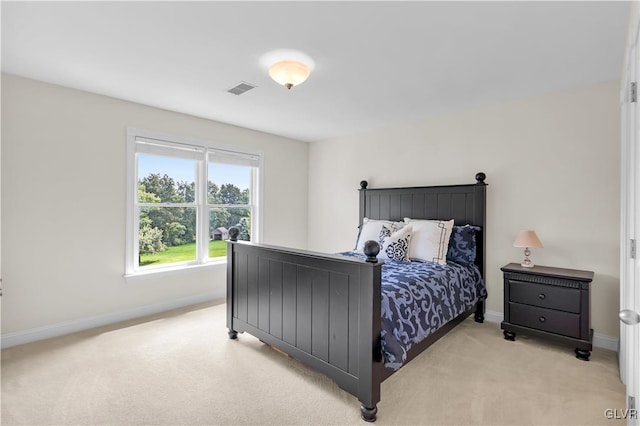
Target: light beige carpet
pixel 181 369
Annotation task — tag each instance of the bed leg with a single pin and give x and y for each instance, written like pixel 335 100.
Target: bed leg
pixel 479 315
pixel 368 414
pixel 233 334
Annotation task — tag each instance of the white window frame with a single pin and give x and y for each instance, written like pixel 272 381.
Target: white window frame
pixel 202 204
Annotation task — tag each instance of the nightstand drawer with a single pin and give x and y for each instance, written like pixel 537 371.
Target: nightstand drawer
pixel 557 322
pixel 545 296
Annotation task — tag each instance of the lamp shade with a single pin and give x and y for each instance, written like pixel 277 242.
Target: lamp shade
pixel 289 73
pixel 527 238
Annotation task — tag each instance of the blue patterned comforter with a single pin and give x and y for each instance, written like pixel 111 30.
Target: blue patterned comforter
pixel 420 297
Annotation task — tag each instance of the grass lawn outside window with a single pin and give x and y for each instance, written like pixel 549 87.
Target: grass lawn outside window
pixel 183 253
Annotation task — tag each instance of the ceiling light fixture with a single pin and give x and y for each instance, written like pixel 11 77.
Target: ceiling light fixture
pixel 289 73
pixel 287 67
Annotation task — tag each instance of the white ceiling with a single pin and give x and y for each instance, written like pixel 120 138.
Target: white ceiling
pixel 376 63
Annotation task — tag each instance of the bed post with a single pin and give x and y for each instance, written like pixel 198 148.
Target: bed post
pixel 233 238
pixel 369 348
pixel 363 201
pixel 481 191
pixel 478 316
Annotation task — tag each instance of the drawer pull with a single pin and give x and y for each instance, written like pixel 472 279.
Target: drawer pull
pixel 542 296
pixel 542 319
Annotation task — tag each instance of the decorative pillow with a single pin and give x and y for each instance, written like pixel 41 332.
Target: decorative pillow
pixel 387 230
pixel 370 230
pixel 462 245
pixel 430 239
pixel 395 246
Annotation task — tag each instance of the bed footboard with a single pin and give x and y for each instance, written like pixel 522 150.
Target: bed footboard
pixel 323 310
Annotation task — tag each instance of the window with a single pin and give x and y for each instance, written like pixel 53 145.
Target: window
pixel 183 196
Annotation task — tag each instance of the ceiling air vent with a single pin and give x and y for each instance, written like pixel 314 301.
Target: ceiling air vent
pixel 241 88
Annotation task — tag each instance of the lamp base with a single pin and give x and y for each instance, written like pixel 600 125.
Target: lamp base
pixel 526 263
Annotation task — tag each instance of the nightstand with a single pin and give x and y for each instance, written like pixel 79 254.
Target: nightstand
pixel 548 302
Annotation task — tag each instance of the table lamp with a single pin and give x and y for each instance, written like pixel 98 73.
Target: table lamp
pixel 527 239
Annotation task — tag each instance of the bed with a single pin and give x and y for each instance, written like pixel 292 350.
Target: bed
pixel 325 310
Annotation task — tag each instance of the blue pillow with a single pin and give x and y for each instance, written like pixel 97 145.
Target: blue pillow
pixel 462 244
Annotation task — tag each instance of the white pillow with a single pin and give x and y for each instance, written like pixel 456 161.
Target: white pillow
pixel 370 230
pixel 395 246
pixel 430 239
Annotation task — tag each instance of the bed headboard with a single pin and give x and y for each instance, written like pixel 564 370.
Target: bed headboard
pixel 463 203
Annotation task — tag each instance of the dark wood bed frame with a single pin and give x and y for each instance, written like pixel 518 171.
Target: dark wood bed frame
pixel 325 310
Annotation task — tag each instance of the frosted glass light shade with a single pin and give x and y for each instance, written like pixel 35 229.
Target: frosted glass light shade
pixel 289 73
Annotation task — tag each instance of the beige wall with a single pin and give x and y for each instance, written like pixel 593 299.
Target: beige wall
pixel 63 203
pixel 552 164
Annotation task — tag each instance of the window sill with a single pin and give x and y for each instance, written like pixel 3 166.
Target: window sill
pixel 175 270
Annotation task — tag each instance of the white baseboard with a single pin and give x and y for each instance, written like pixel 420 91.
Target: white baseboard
pixel 599 340
pixel 606 342
pixel 59 329
pixel 493 316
